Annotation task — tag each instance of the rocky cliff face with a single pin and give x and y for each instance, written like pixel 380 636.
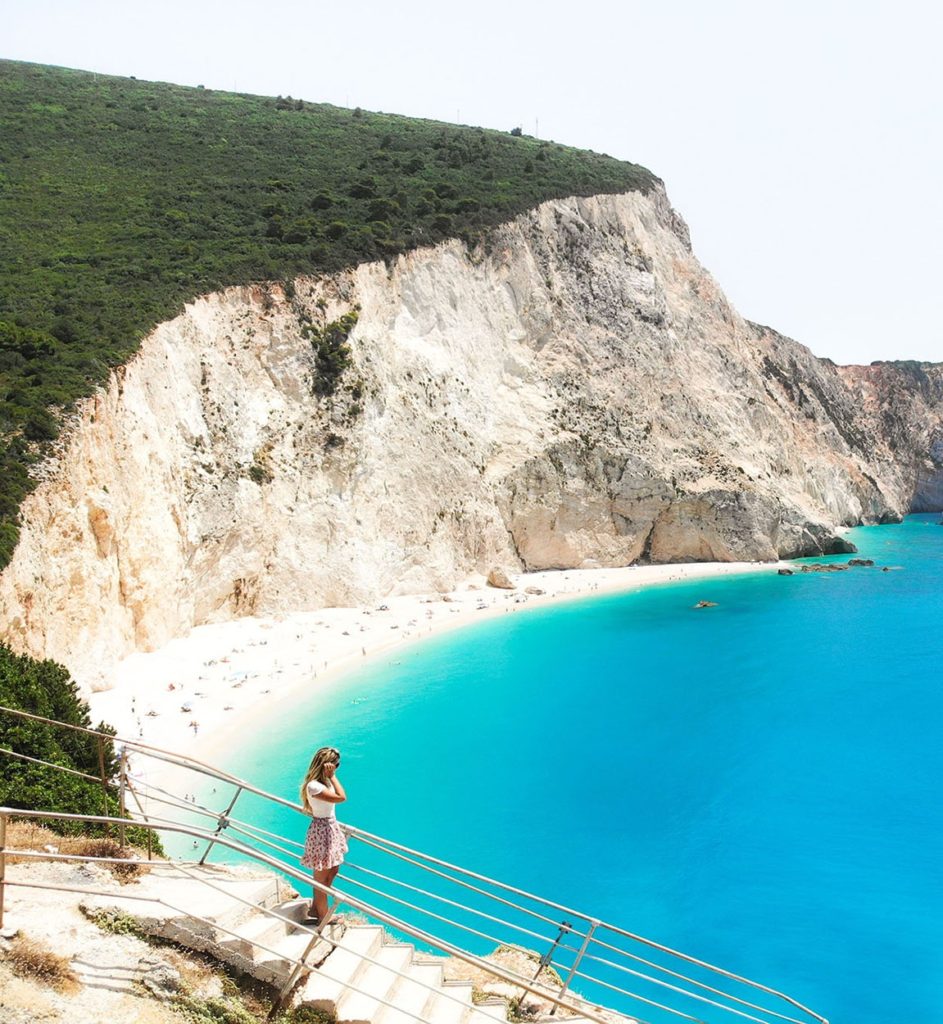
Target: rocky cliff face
pixel 579 394
pixel 904 401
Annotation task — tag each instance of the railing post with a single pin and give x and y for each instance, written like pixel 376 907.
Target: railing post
pixel 101 769
pixel 121 803
pixel 547 959
pixel 3 861
pixel 579 956
pixel 129 788
pixel 223 821
pixel 282 997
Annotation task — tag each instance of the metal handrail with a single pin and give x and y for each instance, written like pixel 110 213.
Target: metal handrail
pixel 444 899
pixel 451 874
pixel 228 931
pixel 392 922
pixel 682 977
pixel 463 883
pixel 60 767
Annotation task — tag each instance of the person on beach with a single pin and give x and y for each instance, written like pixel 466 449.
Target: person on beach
pixel 325 843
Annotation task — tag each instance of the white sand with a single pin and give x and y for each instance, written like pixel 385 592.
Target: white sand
pixel 196 695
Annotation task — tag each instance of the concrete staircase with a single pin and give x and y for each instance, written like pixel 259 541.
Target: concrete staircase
pixel 360 974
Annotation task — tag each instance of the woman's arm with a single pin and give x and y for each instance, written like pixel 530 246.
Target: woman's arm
pixel 337 796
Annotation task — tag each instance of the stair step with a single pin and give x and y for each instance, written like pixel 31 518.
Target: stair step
pixel 375 981
pixel 579 1020
pixel 484 1013
pixel 275 969
pixel 262 892
pixel 227 908
pixel 292 911
pixel 411 995
pixel 258 930
pixel 324 987
pixel 450 1009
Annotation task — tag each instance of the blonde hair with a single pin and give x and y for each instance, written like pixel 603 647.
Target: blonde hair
pixel 315 772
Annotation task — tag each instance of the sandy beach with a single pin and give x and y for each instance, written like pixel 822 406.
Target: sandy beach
pixel 197 694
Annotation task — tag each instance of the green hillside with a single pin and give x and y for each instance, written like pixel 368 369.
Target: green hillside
pixel 121 199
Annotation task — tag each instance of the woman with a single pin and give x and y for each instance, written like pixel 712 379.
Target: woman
pixel 325 844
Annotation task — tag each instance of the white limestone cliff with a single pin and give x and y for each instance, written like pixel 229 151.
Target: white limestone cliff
pixel 581 393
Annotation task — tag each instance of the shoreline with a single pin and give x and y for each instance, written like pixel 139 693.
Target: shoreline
pixel 198 694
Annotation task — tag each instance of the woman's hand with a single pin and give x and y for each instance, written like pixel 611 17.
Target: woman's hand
pixel 329 770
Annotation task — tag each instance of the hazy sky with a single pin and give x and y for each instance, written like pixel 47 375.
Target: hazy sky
pixel 801 141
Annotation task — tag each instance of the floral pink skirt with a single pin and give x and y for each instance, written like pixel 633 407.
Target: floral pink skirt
pixel 325 844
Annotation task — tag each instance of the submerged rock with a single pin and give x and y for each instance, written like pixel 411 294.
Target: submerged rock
pixel 706 604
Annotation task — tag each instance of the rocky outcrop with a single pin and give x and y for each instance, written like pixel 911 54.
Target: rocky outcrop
pixel 577 393
pixel 499 578
pixel 905 400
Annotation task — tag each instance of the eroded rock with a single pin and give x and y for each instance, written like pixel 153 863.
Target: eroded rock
pixel 499 578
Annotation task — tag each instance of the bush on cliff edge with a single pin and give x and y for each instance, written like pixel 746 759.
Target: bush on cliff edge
pixel 45 688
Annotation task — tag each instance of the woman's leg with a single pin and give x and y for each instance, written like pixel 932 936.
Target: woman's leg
pixel 319 901
pixel 319 904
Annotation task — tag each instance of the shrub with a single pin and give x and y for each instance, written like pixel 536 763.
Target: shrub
pixel 364 189
pixel 442 224
pixel 216 1010
pixel 29 959
pixel 331 351
pixel 298 232
pixel 40 426
pixel 307 1015
pixel 382 209
pixel 114 921
pixel 260 473
pixel 45 688
pixel 132 867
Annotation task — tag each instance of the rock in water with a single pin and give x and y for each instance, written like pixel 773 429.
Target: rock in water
pixel 706 604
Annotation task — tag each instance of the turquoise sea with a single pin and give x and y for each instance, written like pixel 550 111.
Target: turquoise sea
pixel 757 784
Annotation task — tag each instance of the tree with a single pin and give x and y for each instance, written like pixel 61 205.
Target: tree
pixel 45 688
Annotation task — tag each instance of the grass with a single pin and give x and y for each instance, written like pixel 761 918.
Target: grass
pixel 121 199
pixel 28 835
pixel 29 959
